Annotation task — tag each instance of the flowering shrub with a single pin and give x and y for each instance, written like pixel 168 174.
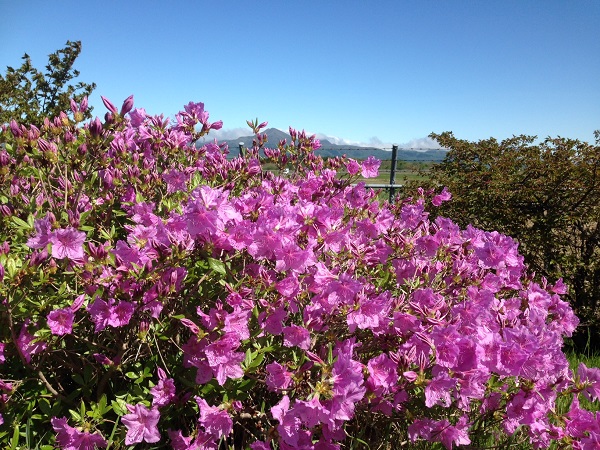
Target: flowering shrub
pixel 155 292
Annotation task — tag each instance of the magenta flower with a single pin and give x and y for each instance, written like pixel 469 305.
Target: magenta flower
pixel 69 438
pixel 164 391
pixel 443 196
pixel 60 321
pixel 42 234
pixel 2 358
pixel 590 378
pixel 67 243
pixel 141 424
pixel 352 167
pixel 277 377
pixel 100 312
pixel 214 420
pixel 120 314
pixel 176 180
pixel 370 167
pixel 27 344
pixel 383 371
pixel 223 360
pixel 296 336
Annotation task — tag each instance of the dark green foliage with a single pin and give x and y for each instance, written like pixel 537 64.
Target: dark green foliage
pixel 546 195
pixel 27 95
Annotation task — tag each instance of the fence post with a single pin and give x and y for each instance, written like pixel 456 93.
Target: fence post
pixel 241 144
pixel 393 171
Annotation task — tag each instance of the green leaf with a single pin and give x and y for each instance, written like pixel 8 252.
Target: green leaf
pixel 45 406
pixel 217 265
pixel 15 438
pixel 20 223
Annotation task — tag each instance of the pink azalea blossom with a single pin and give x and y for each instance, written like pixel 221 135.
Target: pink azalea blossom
pixel 214 420
pixel 141 424
pixel 67 243
pixel 277 377
pixel 43 232
pixel 2 358
pixel 60 321
pixel 69 438
pixel 223 359
pixel 164 391
pixel 27 343
pixel 370 167
pixel 296 336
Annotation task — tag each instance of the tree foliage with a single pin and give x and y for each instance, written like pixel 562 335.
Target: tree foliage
pixel 546 195
pixel 28 95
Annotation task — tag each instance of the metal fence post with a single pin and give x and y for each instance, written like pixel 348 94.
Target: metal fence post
pixel 241 144
pixel 393 172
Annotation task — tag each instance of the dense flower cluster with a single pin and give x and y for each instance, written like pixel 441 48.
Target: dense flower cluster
pixel 160 292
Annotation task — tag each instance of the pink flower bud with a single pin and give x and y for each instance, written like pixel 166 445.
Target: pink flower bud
pixel 109 105
pixel 84 104
pixel 74 107
pixel 95 127
pixel 14 128
pixel 5 210
pixel 34 133
pixel 127 105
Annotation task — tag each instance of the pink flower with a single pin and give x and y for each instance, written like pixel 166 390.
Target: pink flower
pixel 70 438
pixel 590 379
pixel 141 424
pixel 100 312
pixel 277 377
pixel 60 321
pixel 352 167
pixel 296 336
pixel 176 180
pixel 214 420
pixel 222 358
pixel 2 358
pixel 27 344
pixel 443 196
pixel 370 167
pixel 164 391
pixel 383 371
pixel 120 314
pixel 67 243
pixel 42 234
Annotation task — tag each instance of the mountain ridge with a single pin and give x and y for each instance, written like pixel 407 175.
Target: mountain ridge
pixel 329 149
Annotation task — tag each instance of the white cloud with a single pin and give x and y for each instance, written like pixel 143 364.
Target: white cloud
pixel 417 143
pixel 228 133
pixel 425 143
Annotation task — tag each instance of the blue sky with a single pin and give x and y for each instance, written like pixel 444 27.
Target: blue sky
pixel 387 71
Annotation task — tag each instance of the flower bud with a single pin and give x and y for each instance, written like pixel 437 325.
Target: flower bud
pixel 6 210
pixel 4 248
pixel 1 272
pixel 14 128
pixel 4 158
pixel 64 119
pixel 82 149
pixel 74 107
pixel 34 133
pixel 127 105
pixel 109 105
pixel 95 127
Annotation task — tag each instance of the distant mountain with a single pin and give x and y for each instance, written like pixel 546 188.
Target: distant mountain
pixel 329 149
